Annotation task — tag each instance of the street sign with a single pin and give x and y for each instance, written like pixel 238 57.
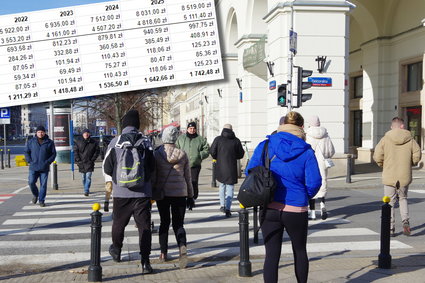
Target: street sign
pixel 293 41
pixel 272 85
pixel 5 116
pixel 100 123
pixel 316 81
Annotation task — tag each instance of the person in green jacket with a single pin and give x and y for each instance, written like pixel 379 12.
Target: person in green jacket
pixel 197 149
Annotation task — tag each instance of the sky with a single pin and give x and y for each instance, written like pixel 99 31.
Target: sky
pixel 20 6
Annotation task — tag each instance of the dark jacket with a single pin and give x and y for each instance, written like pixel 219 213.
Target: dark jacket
pixel 130 134
pixel 40 156
pixel 227 149
pixel 86 151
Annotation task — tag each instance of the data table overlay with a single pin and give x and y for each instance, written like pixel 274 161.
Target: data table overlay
pixel 107 47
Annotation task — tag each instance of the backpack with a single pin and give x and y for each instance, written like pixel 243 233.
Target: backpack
pixel 130 172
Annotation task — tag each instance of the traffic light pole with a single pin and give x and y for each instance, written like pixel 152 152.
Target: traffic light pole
pixel 290 62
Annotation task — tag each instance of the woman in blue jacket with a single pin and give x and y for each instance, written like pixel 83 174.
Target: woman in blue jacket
pixel 294 167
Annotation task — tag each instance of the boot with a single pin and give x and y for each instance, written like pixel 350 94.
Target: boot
pixel 146 267
pixel 324 211
pixel 182 256
pixel 163 257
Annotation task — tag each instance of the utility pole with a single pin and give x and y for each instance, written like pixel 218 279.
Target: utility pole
pixel 292 50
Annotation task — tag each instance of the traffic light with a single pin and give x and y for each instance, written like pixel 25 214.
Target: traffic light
pixel 303 97
pixel 281 95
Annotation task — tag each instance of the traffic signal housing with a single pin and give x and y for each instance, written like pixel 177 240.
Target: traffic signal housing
pixel 281 95
pixel 301 84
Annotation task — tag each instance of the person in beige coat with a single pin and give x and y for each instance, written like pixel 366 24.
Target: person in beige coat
pixel 172 191
pixel 396 152
pixel 323 147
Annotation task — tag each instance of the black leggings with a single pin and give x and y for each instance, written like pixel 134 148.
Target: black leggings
pixel 296 225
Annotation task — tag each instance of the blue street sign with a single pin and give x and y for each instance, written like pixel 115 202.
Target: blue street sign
pixel 5 113
pixel 272 85
pixel 316 81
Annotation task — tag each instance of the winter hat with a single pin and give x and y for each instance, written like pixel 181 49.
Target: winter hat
pixel 40 128
pixel 314 121
pixel 131 119
pixel 191 124
pixel 282 120
pixel 86 131
pixel 170 134
pixel 227 126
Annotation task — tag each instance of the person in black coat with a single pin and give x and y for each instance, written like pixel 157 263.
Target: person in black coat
pixel 86 151
pixel 226 149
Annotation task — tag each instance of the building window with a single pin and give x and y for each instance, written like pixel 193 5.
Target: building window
pixel 357 128
pixel 358 87
pixel 414 76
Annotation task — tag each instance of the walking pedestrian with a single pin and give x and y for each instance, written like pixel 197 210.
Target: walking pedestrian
pixel 172 191
pixel 294 167
pixel 131 197
pixel 196 147
pixel 86 151
pixel 226 149
pixel 39 152
pixel 396 152
pixel 317 136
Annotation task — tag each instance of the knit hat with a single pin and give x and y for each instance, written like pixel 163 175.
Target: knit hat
pixel 86 131
pixel 191 124
pixel 227 126
pixel 170 134
pixel 131 119
pixel 40 128
pixel 314 121
pixel 282 120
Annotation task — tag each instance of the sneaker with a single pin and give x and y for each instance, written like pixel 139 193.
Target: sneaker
pixel 324 214
pixel 182 256
pixel 228 213
pixel 163 257
pixel 146 267
pixel 392 232
pixel 86 194
pixel 115 254
pixel 406 229
pixel 222 209
pixel 42 204
pixel 34 200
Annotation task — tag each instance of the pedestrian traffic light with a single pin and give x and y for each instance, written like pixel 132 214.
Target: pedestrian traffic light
pixel 303 97
pixel 281 95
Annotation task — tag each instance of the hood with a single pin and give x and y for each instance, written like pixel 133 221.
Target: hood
pixel 317 132
pixel 399 136
pixel 130 134
pixel 293 129
pixel 287 146
pixel 171 153
pixel 227 133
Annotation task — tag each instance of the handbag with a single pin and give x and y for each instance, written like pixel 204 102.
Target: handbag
pixel 259 186
pixel 328 162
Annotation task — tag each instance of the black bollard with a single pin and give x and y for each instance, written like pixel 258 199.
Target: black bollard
pixel 8 158
pixel 384 259
pixel 55 175
pixel 349 170
pixel 213 181
pixel 244 263
pixel 2 158
pixel 255 220
pixel 95 270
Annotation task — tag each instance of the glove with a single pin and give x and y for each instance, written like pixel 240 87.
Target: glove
pixel 190 203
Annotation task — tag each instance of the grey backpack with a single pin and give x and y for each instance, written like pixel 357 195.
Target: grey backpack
pixel 131 163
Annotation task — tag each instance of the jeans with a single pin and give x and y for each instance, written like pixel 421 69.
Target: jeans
pixel 32 182
pixel 226 195
pixel 86 181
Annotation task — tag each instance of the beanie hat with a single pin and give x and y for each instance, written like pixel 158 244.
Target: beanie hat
pixel 131 119
pixel 191 124
pixel 170 134
pixel 86 131
pixel 40 128
pixel 314 121
pixel 227 126
pixel 282 120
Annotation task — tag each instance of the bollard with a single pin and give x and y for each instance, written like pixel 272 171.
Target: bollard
pixel 349 170
pixel 8 158
pixel 384 259
pixel 2 158
pixel 213 181
pixel 255 220
pixel 244 263
pixel 55 176
pixel 95 270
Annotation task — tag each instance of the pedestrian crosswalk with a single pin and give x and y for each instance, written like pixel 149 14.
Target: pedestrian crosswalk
pixel 5 197
pixel 60 233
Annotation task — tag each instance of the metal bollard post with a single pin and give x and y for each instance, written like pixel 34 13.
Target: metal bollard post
pixel 95 270
pixel 244 263
pixel 213 181
pixel 8 158
pixel 384 259
pixel 255 220
pixel 55 176
pixel 349 170
pixel 2 158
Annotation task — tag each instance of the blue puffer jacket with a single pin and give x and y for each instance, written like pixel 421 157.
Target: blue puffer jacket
pixel 40 156
pixel 294 168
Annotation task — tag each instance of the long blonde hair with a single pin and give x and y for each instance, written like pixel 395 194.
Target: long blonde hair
pixel 294 118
